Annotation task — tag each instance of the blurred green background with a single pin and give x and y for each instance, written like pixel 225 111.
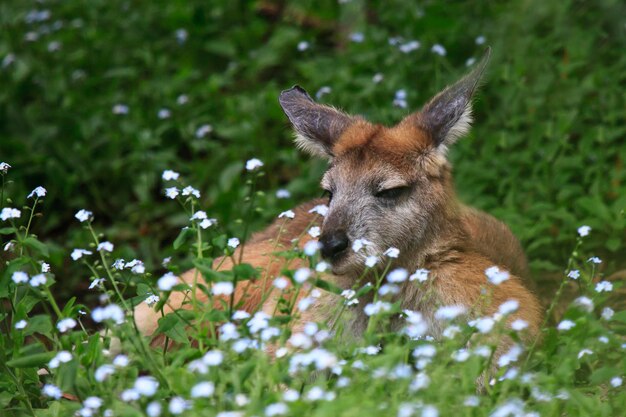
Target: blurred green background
pixel 546 154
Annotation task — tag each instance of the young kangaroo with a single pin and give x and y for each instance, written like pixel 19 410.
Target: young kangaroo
pixel 388 187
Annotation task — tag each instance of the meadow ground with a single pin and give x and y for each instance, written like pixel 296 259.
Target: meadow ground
pixel 103 103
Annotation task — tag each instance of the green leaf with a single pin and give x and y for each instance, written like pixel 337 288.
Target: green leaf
pixel 328 286
pixel 7 230
pixel 37 246
pixel 183 237
pixel 173 327
pixel 35 360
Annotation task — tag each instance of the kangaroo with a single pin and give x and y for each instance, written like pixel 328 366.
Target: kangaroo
pixel 388 187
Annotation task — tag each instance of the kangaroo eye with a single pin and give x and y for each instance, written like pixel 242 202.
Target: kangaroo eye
pixel 391 193
pixel 329 194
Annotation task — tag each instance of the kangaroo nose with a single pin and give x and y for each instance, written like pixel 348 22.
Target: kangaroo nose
pixel 333 244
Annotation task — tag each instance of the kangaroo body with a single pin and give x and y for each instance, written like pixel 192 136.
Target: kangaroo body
pixel 389 187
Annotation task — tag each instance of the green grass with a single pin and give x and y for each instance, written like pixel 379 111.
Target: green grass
pixel 546 155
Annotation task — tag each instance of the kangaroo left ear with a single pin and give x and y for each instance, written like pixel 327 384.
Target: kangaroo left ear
pixel 448 115
pixel 317 126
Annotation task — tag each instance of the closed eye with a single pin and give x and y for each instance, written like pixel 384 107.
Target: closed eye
pixel 392 193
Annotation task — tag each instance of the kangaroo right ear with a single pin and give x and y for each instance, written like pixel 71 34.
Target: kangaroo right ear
pixel 317 126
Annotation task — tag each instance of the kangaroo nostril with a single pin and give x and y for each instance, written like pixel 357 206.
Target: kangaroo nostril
pixel 333 244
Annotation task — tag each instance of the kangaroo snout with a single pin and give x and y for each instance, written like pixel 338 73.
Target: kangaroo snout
pixel 334 244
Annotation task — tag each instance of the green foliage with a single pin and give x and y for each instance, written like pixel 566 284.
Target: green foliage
pixel 84 89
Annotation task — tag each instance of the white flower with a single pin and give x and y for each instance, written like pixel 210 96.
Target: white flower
pixel 152 299
pixel 182 99
pixel 376 308
pixel 303 46
pixel 359 244
pixel 233 242
pixel 322 266
pixel 595 260
pixel 519 325
pixel 357 37
pixel 607 313
pixel 348 294
pixel 66 324
pixel 120 109
pixel 584 231
pixel 281 283
pixel 482 351
pixel 105 246
pixel 178 405
pixel 573 274
pixel 470 61
pixel 604 286
pixel 253 164
pixel 322 92
pixel 223 288
pixel 565 325
pixel 169 175
pixel 314 231
pixel 471 401
pixel 241 400
pixel 511 356
pixel 282 193
pixel 480 40
pixel 258 322
pixel 110 312
pixel 93 402
pixel 241 315
pixel 171 192
pixel 203 131
pixel 584 352
pixel 496 276
pixel 189 190
pixel 378 78
pixel 289 214
pixel 19 277
pixel 45 267
pixel 420 275
pixel 206 223
pixel 399 99
pixel 392 252
pixel 371 261
pixel 146 386
pixel 483 324
pixel 277 409
pixel 301 275
pixel 311 247
pixel 213 358
pixel 10 213
pixel 83 215
pixel 438 49
pixel 584 303
pixel 4 167
pixel 129 395
pixel 153 409
pixel 167 281
pixel 291 395
pixel 79 253
pixel 508 307
pixel 103 372
pixel 203 389
pixel 388 289
pixel 52 391
pixel 38 280
pixel 420 382
pixel 21 324
pixel 39 192
pixel 409 46
pixel 121 361
pixel 397 275
pixel 321 209
pixel 305 303
pixel 9 247
pixel 616 382
pixel 164 114
pixel 449 312
pixel 62 357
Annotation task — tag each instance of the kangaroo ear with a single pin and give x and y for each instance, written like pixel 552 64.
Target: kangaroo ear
pixel 448 115
pixel 317 126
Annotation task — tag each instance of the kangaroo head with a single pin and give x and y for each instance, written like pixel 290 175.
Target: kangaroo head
pixel 387 186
